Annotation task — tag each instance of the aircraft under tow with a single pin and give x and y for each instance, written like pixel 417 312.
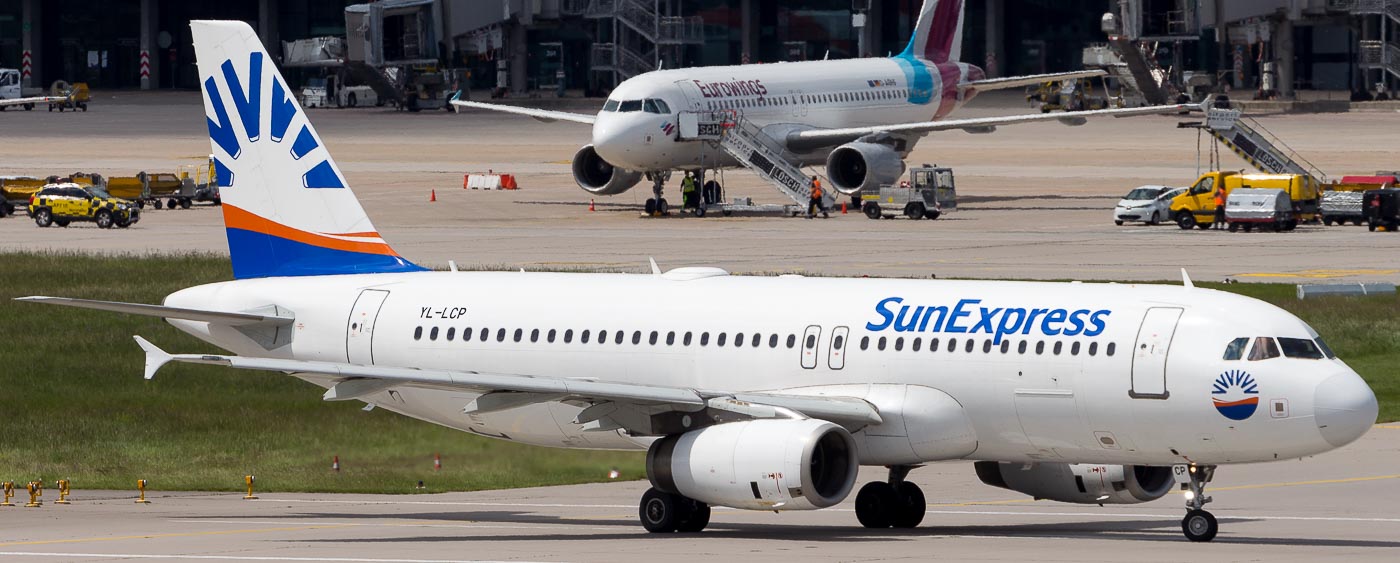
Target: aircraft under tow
pixel 1086 393
pixel 857 119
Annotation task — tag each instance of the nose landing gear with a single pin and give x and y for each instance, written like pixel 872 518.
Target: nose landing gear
pixel 657 206
pixel 895 503
pixel 1199 525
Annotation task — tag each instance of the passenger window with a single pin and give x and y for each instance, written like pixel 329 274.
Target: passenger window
pixel 466 334
pixel 719 340
pixel 568 336
pixel 1264 348
pixel 704 339
pixel 968 344
pixel 686 341
pixel 791 341
pixel 500 335
pixel 1325 349
pixel 739 340
pixel 652 339
pixel 864 343
pixel 899 344
pixel 583 337
pixel 519 332
pixel 1235 349
pixel 952 344
pixel 535 335
pixel 1021 347
pixel 933 344
pixel 630 105
pixel 636 337
pixel 550 337
pixel 1058 347
pixel 670 338
pixel 1074 349
pixel 916 344
pixel 451 332
pixel 773 340
pixel 611 105
pixel 757 339
pixel 602 337
pixel 619 336
pixel 1111 347
pixel 1040 347
pixel 811 341
pixel 418 333
pixel 1005 346
pixel 986 346
pixel 1093 348
pixel 1299 348
pixel 485 334
pixel 838 342
pixel 880 344
pixel 432 334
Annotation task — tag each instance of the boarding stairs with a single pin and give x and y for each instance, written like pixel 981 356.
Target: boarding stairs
pixel 755 150
pixel 1143 72
pixel 1383 54
pixel 1256 145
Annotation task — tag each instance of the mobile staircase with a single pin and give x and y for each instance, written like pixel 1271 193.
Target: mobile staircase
pixel 1256 145
pixel 756 151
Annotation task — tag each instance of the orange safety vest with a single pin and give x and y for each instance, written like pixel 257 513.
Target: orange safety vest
pixel 1220 199
pixel 816 188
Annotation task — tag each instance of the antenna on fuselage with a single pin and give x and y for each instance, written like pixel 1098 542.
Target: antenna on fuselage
pixel 1186 279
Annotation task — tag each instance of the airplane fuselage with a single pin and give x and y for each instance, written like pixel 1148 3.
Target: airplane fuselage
pixel 1006 371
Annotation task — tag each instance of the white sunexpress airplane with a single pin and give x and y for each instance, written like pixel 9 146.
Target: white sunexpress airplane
pixel 859 118
pixel 1085 393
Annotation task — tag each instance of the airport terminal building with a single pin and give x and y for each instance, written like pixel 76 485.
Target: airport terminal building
pixel 546 46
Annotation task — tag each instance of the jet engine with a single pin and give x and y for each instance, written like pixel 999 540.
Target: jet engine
pixel 861 165
pixel 1081 483
pixel 765 464
pixel 597 177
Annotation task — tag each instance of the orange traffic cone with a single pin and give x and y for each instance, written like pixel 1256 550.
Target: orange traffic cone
pixel 465 177
pixel 433 196
pixel 843 208
pixel 437 462
pixel 335 463
pixel 590 206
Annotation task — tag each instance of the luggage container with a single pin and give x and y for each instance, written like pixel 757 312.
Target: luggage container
pixel 1247 208
pixel 1338 207
pixel 1382 209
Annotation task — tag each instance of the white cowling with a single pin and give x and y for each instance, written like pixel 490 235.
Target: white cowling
pixel 598 177
pixel 859 165
pixel 766 464
pixel 1081 483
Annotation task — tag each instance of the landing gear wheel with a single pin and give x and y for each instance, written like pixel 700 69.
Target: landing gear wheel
pixel 697 516
pixel 103 219
pixel 662 207
pixel 651 207
pixel 871 210
pixel 876 503
pixel 659 511
pixel 1199 525
pixel 1185 220
pixel 914 211
pixel 911 506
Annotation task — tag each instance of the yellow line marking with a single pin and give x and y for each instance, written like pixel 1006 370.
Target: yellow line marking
pixel 1389 427
pixel 174 535
pixel 1322 273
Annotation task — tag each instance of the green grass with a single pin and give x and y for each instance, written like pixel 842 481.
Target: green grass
pixel 73 404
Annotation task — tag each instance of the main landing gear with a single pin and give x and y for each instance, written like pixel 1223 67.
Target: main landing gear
pixel 663 513
pixel 895 503
pixel 1199 525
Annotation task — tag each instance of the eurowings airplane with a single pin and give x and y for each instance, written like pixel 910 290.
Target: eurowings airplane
pixel 1082 393
pixel 859 118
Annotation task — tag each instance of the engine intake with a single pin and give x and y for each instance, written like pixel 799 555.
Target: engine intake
pixel 858 166
pixel 758 464
pixel 1080 483
pixel 598 177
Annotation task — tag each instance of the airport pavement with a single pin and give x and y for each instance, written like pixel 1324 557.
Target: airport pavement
pixel 1337 506
pixel 1036 199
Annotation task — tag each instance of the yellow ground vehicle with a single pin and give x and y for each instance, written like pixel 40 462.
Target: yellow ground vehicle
pixel 1196 206
pixel 76 96
pixel 59 204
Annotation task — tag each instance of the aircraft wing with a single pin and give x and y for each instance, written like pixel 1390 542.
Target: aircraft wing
pixel 1029 80
pixel 825 137
pixel 544 115
pixel 34 100
pixel 637 408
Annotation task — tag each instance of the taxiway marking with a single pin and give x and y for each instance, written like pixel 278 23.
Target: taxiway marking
pixel 234 557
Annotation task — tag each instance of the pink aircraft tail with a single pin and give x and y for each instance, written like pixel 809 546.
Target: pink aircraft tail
pixel 938 35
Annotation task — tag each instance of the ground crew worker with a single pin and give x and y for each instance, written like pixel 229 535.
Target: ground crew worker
pixel 1219 209
pixel 688 192
pixel 816 204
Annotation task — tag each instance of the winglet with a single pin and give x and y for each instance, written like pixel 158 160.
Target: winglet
pixel 155 357
pixel 1186 279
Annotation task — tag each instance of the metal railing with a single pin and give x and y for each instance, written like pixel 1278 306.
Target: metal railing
pixel 1379 54
pixel 681 30
pixel 574 7
pixel 1373 7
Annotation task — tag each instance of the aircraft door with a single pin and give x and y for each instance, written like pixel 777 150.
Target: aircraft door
pixel 359 330
pixel 836 354
pixel 692 94
pixel 810 338
pixel 1150 353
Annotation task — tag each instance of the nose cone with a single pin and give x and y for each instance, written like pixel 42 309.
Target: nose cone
pixel 1345 408
pixel 609 139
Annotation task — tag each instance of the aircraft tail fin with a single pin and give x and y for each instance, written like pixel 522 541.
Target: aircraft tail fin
pixel 287 208
pixel 938 34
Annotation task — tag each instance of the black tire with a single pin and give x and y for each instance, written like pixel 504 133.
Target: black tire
pixel 171 203
pixel 871 209
pixel 350 100
pixel 84 106
pixel 696 517
pixel 124 224
pixel 103 218
pixel 140 204
pixel 1356 222
pixel 911 506
pixel 61 222
pixel 43 218
pixel 933 214
pixel 156 203
pixel 726 213
pixel 1248 227
pixel 1290 225
pixel 1117 222
pixel 700 210
pixel 1199 526
pixel 659 511
pixel 914 210
pixel 1155 220
pixel 1186 220
pixel 4 209
pixel 662 207
pixel 650 206
pixel 1234 227
pixel 28 107
pixel 876 503
pixel 186 203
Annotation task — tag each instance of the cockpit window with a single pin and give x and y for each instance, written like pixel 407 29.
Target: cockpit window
pixel 1327 350
pixel 1235 349
pixel 651 107
pixel 610 106
pixel 1264 348
pixel 1299 348
pixel 630 105
pixel 661 105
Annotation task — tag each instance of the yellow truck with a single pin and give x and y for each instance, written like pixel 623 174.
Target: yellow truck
pixel 1196 206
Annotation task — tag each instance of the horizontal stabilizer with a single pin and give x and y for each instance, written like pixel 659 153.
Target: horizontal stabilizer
pixel 216 317
pixel 155 357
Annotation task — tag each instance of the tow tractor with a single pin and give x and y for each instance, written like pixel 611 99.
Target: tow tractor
pixel 928 194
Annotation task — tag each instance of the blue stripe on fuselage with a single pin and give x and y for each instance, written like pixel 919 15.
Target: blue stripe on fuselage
pixel 917 76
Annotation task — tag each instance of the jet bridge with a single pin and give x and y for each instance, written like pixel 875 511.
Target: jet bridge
pixel 754 150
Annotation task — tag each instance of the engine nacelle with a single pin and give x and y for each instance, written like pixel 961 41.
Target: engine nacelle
pixel 765 464
pixel 859 165
pixel 598 177
pixel 1081 483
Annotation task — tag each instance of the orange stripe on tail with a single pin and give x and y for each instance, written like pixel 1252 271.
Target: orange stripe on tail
pixel 235 218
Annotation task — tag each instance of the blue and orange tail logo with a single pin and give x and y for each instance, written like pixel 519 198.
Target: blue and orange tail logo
pixel 287 208
pixel 1235 394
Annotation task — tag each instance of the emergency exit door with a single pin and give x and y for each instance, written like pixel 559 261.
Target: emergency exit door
pixel 810 338
pixel 359 330
pixel 1154 340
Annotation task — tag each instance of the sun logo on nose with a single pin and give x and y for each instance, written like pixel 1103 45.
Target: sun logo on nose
pixel 1235 394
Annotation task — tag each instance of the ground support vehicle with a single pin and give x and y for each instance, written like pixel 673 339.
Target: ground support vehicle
pixel 929 193
pixel 60 204
pixel 1382 209
pixel 1196 206
pixel 75 96
pixel 1271 209
pixel 1338 207
pixel 15 192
